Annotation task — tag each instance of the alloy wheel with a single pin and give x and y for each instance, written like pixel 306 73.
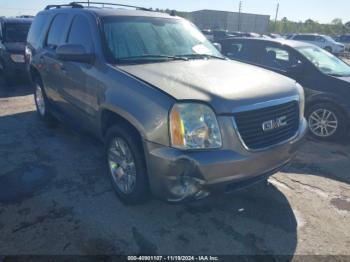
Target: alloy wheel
pixel 323 123
pixel 122 165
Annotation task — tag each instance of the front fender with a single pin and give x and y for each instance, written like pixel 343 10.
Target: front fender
pixel 142 105
pixel 124 114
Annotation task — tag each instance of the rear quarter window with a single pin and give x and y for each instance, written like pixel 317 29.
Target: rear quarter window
pixel 56 33
pixel 36 30
pixel 80 33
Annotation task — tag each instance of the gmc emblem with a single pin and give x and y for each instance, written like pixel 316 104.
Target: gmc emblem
pixel 274 124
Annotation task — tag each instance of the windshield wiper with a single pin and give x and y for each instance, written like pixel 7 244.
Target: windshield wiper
pixel 145 57
pixel 201 56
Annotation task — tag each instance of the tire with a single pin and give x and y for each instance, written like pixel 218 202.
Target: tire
pixel 137 191
pixel 321 114
pixel 329 49
pixel 41 102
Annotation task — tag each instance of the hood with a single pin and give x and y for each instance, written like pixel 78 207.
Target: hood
pixel 224 84
pixel 15 47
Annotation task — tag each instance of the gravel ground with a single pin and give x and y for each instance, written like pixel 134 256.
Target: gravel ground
pixel 55 198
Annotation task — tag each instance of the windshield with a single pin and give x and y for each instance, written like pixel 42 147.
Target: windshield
pixel 16 32
pixel 330 39
pixel 326 62
pixel 145 40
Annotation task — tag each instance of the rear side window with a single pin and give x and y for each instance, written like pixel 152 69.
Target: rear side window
pixel 238 51
pixel 80 33
pixel 305 37
pixel 233 50
pixel 37 29
pixel 55 36
pixel 278 58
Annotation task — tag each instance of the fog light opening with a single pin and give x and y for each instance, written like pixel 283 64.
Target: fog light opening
pixel 187 187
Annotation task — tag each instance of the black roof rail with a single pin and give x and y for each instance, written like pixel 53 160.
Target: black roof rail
pixel 112 4
pixel 72 5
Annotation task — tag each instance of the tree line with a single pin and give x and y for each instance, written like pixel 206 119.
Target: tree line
pixel 284 26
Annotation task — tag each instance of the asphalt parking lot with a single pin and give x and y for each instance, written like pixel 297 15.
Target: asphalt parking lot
pixel 55 198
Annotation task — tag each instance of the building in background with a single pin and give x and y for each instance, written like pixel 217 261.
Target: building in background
pixel 231 21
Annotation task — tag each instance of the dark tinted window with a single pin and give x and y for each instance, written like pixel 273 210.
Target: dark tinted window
pixel 305 37
pixel 238 50
pixel 36 29
pixel 233 49
pixel 80 33
pixel 16 32
pixel 55 36
pixel 278 58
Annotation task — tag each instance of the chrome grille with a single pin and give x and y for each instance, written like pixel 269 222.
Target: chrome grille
pixel 283 120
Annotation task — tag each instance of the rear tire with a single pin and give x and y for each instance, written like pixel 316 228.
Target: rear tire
pixel 41 102
pixel 126 165
pixel 326 122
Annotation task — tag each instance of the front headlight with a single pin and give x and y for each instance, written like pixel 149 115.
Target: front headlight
pixel 194 126
pixel 301 100
pixel 17 58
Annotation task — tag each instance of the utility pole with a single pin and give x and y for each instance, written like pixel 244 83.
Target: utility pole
pixel 88 2
pixel 239 15
pixel 277 10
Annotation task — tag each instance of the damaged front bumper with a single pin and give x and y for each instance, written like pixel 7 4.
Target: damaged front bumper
pixel 177 175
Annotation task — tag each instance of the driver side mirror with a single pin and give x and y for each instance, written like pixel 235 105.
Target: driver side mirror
pixel 74 53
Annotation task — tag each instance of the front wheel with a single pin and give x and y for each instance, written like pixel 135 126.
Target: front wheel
pixel 326 122
pixel 126 165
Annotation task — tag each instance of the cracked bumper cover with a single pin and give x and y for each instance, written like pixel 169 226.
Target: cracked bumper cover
pixel 177 175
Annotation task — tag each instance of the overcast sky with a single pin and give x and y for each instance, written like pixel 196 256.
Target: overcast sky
pixel 321 10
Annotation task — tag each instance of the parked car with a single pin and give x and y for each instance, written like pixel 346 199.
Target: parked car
pixel 323 41
pixel 274 36
pixel 174 114
pixel 244 34
pixel 13 35
pixel 325 78
pixel 345 40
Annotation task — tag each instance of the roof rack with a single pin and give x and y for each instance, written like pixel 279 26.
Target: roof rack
pixel 111 4
pixel 72 5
